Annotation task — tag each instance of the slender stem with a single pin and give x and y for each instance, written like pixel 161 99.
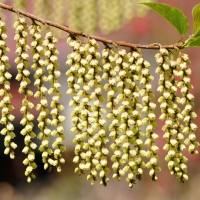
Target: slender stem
pixel 80 33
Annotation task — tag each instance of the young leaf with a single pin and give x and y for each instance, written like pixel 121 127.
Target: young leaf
pixel 171 14
pixel 197 34
pixel 193 41
pixel 196 17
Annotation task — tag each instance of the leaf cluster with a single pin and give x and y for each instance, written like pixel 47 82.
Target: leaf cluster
pixel 177 18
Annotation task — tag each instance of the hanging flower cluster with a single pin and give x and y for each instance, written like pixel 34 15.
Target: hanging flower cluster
pixel 74 88
pixel 56 107
pixel 23 76
pixel 187 100
pixel 127 78
pixel 87 119
pixel 148 107
pixel 5 104
pixel 125 74
pixel 169 70
pixel 43 119
pixel 129 120
pixel 97 121
pixel 40 78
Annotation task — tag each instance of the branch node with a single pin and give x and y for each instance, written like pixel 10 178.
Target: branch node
pixel 106 45
pixel 116 45
pixel 47 26
pixel 33 22
pixel 18 13
pixel 157 45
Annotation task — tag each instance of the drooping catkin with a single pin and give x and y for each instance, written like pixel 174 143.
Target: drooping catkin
pixel 51 62
pixel 187 99
pixel 109 62
pixel 141 80
pixel 131 121
pixel 171 113
pixel 78 87
pixel 40 79
pixel 134 147
pixel 98 122
pixel 23 76
pixel 148 107
pixel 126 123
pixel 90 140
pixel 5 104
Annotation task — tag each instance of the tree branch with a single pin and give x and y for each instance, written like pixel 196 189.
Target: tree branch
pixel 82 34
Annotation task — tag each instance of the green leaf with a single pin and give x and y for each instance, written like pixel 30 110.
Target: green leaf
pixel 193 41
pixel 171 14
pixel 197 34
pixel 196 17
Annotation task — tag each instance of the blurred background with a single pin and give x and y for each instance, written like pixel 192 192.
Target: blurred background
pixel 116 20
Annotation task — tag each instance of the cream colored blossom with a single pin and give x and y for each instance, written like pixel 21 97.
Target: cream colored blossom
pixel 23 76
